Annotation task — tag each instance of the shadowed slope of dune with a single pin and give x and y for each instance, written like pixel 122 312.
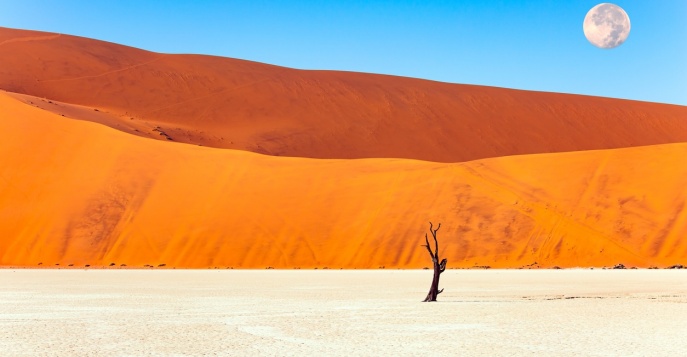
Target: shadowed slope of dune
pixel 229 103
pixel 74 192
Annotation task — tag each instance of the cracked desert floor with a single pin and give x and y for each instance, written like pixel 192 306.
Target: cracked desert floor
pixel 576 312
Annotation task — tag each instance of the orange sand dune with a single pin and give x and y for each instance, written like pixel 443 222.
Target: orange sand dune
pixel 237 104
pixel 75 192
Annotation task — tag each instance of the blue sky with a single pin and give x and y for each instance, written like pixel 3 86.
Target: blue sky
pixel 534 45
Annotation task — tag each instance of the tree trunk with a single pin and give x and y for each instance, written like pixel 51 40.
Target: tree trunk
pixel 434 288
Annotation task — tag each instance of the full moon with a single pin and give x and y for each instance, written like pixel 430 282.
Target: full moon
pixel 606 25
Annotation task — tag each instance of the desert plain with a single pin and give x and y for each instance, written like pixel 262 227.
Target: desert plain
pixel 572 312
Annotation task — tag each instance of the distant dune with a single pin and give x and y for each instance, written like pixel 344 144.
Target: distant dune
pixel 230 103
pixel 75 192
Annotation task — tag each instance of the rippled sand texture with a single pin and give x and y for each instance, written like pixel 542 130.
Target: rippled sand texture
pixel 219 312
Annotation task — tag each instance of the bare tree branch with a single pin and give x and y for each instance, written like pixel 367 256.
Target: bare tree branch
pixel 428 248
pixel 436 243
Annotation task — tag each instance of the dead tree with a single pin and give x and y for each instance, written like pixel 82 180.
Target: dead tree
pixel 438 267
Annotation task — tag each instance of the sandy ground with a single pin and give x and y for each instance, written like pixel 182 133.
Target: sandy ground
pixel 318 312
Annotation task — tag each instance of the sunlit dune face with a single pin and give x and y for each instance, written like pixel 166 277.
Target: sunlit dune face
pixel 79 193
